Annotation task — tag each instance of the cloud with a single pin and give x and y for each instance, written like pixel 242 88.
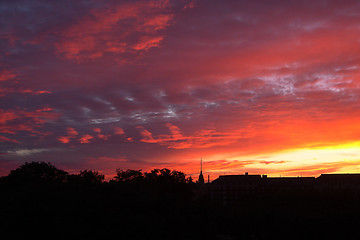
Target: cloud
pixel 14 121
pixel 183 79
pixel 6 139
pixel 119 131
pixel 201 139
pixel 317 169
pixel 26 152
pixel 146 135
pixel 97 130
pixel 71 134
pixel 7 91
pixel 117 29
pixel 85 138
pixel 102 136
pixel 64 139
pixel 7 75
pixel 272 162
pixel 226 164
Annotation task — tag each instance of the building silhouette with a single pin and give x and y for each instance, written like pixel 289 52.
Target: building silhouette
pixel 230 188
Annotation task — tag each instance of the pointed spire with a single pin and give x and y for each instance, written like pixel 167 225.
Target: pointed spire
pixel 201 177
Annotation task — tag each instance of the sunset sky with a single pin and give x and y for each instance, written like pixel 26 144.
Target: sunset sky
pixel 265 87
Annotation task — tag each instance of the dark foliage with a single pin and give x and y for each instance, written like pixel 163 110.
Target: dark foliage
pixel 39 200
pixel 128 176
pixel 86 177
pixel 37 173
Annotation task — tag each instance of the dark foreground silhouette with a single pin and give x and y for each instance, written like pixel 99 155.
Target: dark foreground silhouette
pixel 40 201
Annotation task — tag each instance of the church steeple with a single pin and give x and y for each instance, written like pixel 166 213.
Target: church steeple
pixel 201 177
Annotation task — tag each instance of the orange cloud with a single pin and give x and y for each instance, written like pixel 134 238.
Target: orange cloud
pixel 201 139
pixel 317 169
pixel 30 91
pixel 226 164
pixel 175 131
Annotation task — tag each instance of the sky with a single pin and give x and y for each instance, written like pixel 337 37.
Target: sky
pixel 265 87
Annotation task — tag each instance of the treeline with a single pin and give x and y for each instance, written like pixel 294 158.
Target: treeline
pixel 41 201
pixel 46 173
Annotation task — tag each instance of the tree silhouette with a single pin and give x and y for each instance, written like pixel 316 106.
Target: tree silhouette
pixel 37 173
pixel 86 177
pixel 91 176
pixel 129 175
pixel 165 176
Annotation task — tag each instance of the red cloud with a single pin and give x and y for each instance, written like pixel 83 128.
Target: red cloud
pixel 7 75
pixel 13 121
pixel 147 136
pixel 71 133
pixel 102 136
pixel 116 29
pixel 45 109
pixel 64 139
pixel 175 131
pixel 30 91
pixel 97 130
pixel 147 42
pixel 5 139
pixel 6 91
pixel 86 138
pixel 119 131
